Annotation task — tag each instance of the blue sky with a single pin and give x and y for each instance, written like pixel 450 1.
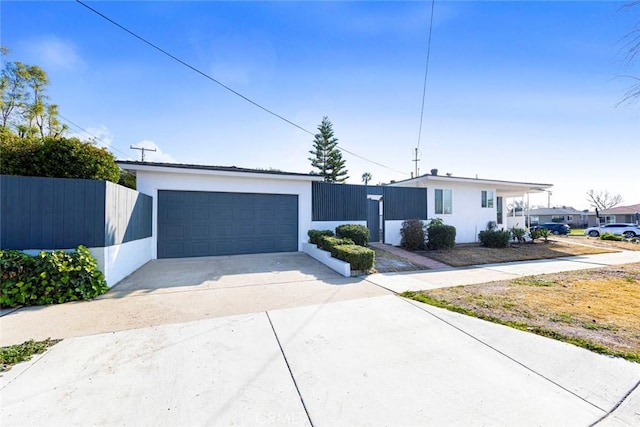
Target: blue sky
pixel 523 91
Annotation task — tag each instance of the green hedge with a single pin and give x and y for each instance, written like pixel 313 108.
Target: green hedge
pixel 441 237
pixel 49 277
pixel 314 235
pixel 358 233
pixel 328 242
pixel 360 258
pixel 495 238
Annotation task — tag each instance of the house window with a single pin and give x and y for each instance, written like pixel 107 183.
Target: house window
pixel 607 219
pixel 535 220
pixel 499 209
pixel 487 199
pixel 444 202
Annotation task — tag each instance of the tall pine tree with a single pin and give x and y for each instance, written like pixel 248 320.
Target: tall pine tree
pixel 327 158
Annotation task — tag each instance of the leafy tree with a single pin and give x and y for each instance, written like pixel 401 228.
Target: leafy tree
pixel 57 158
pixel 603 200
pixel 327 158
pixel 24 109
pixel 366 177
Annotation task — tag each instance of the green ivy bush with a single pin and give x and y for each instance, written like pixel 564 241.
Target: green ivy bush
pixel 49 277
pixel 495 238
pixel 440 236
pixel 360 258
pixel 314 235
pixel 610 236
pixel 358 233
pixel 413 235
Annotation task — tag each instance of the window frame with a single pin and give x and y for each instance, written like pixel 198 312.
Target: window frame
pixel 443 202
pixel 487 199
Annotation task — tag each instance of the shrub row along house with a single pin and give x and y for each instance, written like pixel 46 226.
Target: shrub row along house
pixel 191 210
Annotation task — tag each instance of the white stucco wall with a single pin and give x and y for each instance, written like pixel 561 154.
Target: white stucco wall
pixel 149 182
pixel 118 261
pixel 468 216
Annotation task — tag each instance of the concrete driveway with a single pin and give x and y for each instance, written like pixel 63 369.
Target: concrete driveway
pixel 319 350
pixel 186 289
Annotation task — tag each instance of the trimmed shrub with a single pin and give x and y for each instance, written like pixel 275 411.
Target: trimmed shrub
pixel 49 277
pixel 441 237
pixel 360 258
pixel 413 235
pixel 327 243
pixel 495 238
pixel 358 233
pixel 610 236
pixel 314 235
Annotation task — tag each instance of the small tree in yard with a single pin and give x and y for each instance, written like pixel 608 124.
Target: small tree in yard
pixel 326 157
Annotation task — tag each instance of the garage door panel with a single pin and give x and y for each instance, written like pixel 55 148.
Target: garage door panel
pixel 192 223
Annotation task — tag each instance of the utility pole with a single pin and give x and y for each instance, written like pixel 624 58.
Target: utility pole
pixel 416 160
pixel 549 193
pixel 143 149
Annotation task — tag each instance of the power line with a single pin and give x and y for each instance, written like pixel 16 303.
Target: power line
pixel 111 146
pixel 208 77
pixel 197 70
pixel 426 73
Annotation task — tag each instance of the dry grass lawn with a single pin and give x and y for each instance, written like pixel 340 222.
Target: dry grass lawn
pixel 597 309
pixel 595 241
pixel 473 254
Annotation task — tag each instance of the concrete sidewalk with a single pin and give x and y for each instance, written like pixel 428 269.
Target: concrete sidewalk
pixel 424 280
pixel 374 361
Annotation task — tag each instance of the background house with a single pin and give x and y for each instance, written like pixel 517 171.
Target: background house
pixel 565 215
pixel 470 204
pixel 627 214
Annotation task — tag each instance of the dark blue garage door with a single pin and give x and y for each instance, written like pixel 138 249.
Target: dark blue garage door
pixel 195 223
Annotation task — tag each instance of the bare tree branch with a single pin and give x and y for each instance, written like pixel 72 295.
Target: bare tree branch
pixel 602 200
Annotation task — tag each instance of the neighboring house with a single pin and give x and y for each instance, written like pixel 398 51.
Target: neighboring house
pixel 621 214
pixel 470 204
pixel 565 215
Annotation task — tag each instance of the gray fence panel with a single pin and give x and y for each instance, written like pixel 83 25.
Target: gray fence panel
pixel 51 213
pixel 127 215
pixel 401 203
pixel 338 202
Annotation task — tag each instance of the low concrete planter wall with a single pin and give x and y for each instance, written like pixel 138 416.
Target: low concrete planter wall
pixel 325 257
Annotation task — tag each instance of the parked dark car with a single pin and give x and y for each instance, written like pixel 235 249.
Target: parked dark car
pixel 553 227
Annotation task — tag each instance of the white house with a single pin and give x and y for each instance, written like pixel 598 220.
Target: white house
pixel 213 210
pixel 470 204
